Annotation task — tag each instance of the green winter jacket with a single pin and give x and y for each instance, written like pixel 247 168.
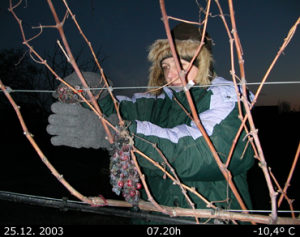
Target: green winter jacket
pixel 162 121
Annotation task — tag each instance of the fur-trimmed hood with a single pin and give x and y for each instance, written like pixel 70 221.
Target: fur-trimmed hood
pixel 160 50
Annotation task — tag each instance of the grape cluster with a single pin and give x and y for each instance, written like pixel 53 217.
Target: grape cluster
pixel 123 173
pixel 66 95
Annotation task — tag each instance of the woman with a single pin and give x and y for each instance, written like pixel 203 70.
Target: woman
pixel 157 117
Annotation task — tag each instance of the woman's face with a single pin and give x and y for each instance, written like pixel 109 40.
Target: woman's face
pixel 171 74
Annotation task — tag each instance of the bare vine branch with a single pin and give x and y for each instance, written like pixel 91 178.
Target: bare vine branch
pixel 196 120
pixel 250 119
pixel 287 183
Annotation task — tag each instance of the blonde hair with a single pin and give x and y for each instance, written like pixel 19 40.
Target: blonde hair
pixel 160 50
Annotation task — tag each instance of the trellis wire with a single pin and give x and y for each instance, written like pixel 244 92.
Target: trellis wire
pixel 156 87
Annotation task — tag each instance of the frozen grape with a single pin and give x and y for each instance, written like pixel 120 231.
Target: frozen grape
pixel 123 173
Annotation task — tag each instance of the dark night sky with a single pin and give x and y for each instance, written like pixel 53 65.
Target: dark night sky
pixel 125 29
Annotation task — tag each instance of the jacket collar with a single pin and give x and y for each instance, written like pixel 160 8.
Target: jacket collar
pixel 169 92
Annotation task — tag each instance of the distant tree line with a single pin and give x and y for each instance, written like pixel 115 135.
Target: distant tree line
pixel 283 106
pixel 19 72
